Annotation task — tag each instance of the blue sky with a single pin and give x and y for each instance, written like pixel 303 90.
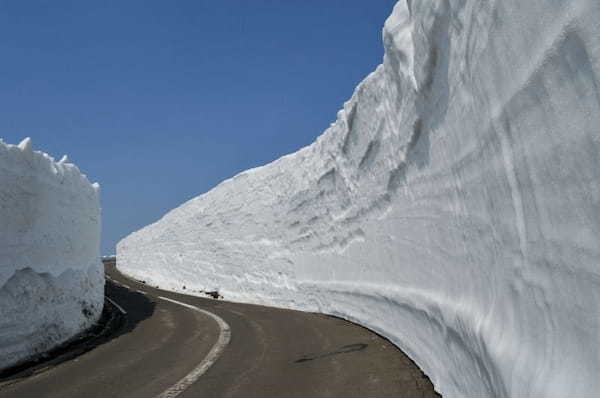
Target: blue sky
pixel 159 101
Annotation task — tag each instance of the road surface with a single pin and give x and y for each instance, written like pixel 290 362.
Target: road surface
pixel 270 353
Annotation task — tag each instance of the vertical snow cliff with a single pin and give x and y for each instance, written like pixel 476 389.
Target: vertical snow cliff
pixel 454 206
pixel 51 277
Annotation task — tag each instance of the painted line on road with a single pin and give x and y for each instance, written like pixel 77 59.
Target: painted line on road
pixel 140 291
pixel 116 282
pixel 116 305
pixel 211 358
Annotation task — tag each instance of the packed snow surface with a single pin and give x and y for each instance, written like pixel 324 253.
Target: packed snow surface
pixel 51 278
pixel 454 206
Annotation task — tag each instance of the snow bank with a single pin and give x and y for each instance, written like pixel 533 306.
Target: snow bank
pixel 51 278
pixel 454 206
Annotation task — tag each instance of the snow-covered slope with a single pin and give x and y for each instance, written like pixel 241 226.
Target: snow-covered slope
pixel 51 278
pixel 454 206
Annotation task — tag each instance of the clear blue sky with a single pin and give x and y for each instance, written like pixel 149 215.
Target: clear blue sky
pixel 159 101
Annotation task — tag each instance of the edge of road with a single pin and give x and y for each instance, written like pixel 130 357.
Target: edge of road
pixel 110 322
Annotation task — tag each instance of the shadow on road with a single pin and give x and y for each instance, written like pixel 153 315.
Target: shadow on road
pixel 111 325
pixel 138 307
pixel 342 350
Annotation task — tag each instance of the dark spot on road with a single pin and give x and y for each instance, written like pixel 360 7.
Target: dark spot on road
pixel 214 294
pixel 342 350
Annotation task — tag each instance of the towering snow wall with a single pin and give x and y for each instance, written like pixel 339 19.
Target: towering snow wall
pixel 51 277
pixel 454 206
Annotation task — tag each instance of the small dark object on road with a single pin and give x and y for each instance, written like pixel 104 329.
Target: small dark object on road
pixel 215 294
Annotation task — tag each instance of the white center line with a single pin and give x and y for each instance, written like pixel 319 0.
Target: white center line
pixel 211 358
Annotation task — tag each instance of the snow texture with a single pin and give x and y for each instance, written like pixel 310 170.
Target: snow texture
pixel 453 207
pixel 51 277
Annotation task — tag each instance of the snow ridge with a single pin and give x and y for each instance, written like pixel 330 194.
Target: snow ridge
pixel 51 277
pixel 454 205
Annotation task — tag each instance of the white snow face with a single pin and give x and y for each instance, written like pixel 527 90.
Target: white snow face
pixel 51 277
pixel 454 206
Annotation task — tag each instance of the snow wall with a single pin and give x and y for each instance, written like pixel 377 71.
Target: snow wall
pixel 453 207
pixel 51 277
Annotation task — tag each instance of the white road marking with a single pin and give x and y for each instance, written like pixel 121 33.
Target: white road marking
pixel 116 305
pixel 125 286
pixel 116 282
pixel 140 291
pixel 211 358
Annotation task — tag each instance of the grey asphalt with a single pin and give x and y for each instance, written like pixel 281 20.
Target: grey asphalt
pixel 272 353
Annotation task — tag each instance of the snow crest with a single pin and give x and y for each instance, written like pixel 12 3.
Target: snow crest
pixel 51 277
pixel 454 206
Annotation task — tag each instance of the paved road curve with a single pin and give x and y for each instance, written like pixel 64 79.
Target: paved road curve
pixel 271 353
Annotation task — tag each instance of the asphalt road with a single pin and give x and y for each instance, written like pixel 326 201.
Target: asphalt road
pixel 271 353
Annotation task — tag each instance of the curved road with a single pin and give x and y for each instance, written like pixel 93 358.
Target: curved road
pixel 272 353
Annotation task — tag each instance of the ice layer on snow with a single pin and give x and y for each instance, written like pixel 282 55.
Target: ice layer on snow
pixel 51 277
pixel 453 206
